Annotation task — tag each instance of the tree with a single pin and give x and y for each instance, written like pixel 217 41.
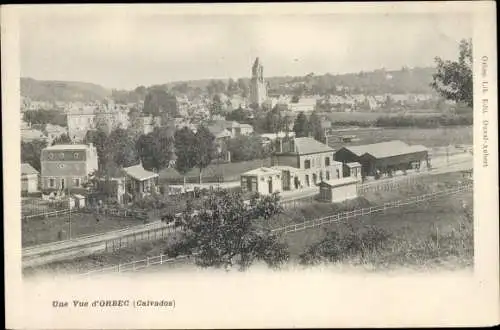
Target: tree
pixel 31 152
pixel 301 126
pixel 121 149
pixel 156 148
pixel 453 79
pixel 216 105
pixel 227 232
pixel 315 127
pixel 159 101
pixel 205 148
pixel 62 139
pixel 98 139
pixel 244 148
pixel 232 87
pixel 244 87
pixel 184 141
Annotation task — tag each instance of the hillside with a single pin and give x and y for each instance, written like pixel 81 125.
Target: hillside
pixel 405 80
pixel 50 91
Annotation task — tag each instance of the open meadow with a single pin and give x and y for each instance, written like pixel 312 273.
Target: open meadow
pixel 45 230
pixel 410 228
pixel 429 137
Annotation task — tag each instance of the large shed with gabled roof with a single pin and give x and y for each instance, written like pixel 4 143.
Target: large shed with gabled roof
pixel 384 157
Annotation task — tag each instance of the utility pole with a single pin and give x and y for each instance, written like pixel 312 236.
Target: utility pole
pixel 69 205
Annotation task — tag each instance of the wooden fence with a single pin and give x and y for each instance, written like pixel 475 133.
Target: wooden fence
pixel 132 266
pixel 157 232
pixel 48 214
pixel 342 216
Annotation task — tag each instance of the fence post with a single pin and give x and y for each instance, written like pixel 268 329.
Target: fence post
pixel 147 261
pixel 161 259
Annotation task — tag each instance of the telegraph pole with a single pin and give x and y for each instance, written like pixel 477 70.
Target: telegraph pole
pixel 69 213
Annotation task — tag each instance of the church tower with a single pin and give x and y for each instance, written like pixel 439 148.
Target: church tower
pixel 258 88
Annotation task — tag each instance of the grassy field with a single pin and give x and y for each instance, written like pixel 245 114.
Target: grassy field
pixel 433 234
pixel 411 230
pixel 429 137
pixel 39 231
pixel 316 209
pixel 229 171
pixel 85 264
pixel 370 116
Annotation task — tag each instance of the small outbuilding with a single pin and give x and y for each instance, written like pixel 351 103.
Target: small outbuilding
pixel 339 190
pixel 352 170
pixel 29 179
pixel 262 180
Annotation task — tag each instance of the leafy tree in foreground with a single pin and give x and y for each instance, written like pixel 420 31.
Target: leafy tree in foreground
pixel 185 140
pixel 226 233
pixel 453 79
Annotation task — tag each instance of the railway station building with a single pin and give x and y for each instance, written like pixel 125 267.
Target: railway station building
pixel 384 158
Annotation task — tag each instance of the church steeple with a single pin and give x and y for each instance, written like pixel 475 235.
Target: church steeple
pixel 258 88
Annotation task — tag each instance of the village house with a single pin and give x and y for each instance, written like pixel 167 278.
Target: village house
pixel 29 179
pixel 311 160
pixel 66 167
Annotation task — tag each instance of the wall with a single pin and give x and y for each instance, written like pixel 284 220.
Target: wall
pixel 343 193
pixel 285 160
pixel 29 183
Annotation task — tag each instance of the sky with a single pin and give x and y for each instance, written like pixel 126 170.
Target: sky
pixel 128 49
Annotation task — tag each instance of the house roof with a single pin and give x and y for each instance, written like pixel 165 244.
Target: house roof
pixel 353 164
pixel 339 182
pixel 139 173
pixel 68 147
pixel 218 131
pixel 386 149
pixel 307 145
pixel 27 169
pixel 261 171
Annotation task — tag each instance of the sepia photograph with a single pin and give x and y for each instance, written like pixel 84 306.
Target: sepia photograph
pixel 172 143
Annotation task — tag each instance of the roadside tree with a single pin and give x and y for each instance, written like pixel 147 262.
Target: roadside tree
pixel 227 233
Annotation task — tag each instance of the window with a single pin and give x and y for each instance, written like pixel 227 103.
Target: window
pixel 307 163
pixel 76 182
pixel 338 174
pixel 327 161
pixel 315 178
pixel 327 175
pixel 62 183
pixel 52 183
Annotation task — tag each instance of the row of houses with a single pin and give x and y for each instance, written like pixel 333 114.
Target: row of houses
pixel 69 169
pixel 302 163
